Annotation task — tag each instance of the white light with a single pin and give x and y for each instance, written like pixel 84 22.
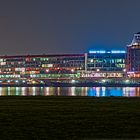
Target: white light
pixel 124 70
pixel 127 81
pixel 117 51
pixel 131 72
pixel 34 75
pixel 108 52
pixel 92 51
pixel 73 81
pixel 91 60
pixel 50 65
pixel 16 81
pixel 72 70
pixel 103 81
pixel 98 51
pixel 103 51
pixel 98 70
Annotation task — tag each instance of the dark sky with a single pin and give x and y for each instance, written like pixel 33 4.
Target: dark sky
pixel 66 26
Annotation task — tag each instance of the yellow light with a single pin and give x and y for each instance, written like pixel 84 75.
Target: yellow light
pixel 33 82
pixel 103 81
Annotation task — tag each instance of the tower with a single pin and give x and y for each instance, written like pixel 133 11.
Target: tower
pixel 133 57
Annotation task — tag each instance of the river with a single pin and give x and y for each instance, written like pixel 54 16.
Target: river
pixel 71 91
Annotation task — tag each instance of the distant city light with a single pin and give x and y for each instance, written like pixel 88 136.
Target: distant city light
pixel 72 81
pixel 91 60
pixel 124 70
pixel 72 70
pixel 127 81
pixel 103 80
pixel 41 82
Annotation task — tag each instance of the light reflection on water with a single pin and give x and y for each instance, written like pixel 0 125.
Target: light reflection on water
pixel 71 91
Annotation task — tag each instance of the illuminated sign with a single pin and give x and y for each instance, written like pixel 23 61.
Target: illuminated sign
pixel 47 65
pixel 20 69
pixel 103 51
pixel 101 74
pixel 97 51
pixel 131 72
pixel 117 51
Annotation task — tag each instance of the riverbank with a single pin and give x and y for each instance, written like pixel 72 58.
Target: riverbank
pixel 83 84
pixel 69 118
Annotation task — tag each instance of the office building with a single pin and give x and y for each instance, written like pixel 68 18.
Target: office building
pixel 133 57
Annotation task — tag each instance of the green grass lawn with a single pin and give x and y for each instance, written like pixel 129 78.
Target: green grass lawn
pixel 69 118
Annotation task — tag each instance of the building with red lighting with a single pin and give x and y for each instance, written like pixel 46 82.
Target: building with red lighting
pixel 40 67
pixel 133 57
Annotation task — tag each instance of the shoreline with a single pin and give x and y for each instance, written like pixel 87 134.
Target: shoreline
pixel 57 84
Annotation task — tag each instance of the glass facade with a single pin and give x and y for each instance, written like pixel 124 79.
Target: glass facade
pixel 106 60
pixel 41 66
pixel 62 67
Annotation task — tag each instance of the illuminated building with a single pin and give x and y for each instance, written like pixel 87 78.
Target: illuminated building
pixel 105 64
pixel 133 57
pixel 40 68
pixel 101 60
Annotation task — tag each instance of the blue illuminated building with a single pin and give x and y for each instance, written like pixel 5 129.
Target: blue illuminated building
pixel 106 60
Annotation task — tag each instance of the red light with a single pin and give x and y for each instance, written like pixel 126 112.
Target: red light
pixel 27 59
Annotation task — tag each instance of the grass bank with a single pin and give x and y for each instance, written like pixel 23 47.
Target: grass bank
pixel 69 118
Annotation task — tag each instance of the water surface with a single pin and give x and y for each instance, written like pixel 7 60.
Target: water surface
pixel 71 91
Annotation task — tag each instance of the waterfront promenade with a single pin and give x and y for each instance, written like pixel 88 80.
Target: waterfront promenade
pixel 63 84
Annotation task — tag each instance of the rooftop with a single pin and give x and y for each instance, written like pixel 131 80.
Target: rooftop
pixel 137 33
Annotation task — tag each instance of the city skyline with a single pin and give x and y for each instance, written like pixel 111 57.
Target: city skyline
pixel 76 26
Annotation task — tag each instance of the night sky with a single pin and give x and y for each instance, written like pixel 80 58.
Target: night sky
pixel 66 26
